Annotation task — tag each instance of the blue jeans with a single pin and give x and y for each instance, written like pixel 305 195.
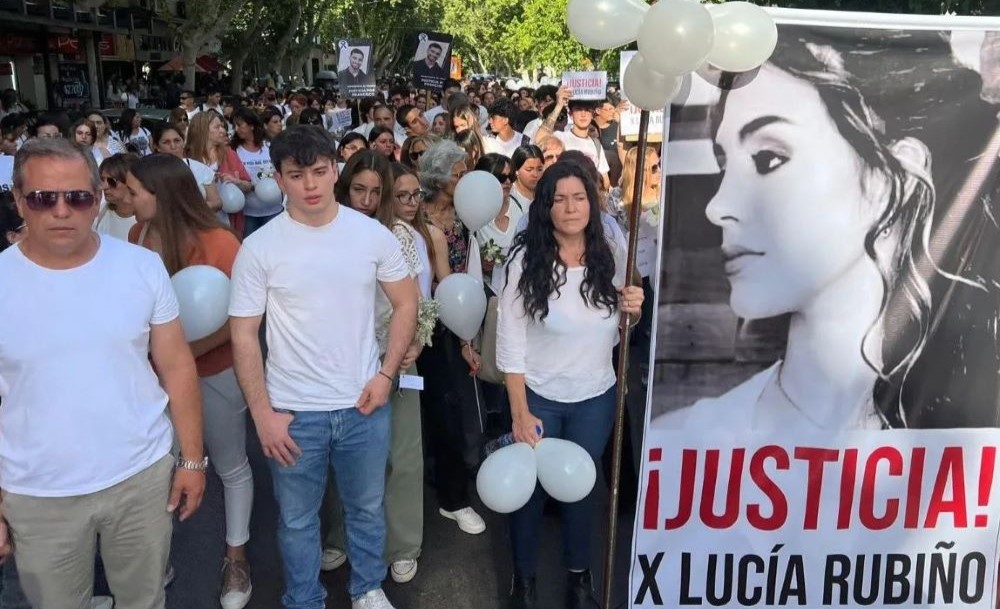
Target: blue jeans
pixel 11 595
pixel 357 446
pixel 587 423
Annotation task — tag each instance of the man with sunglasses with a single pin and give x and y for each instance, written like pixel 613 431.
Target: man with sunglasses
pixel 187 103
pixel 86 450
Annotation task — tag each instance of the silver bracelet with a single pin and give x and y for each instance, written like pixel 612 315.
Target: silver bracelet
pixel 194 466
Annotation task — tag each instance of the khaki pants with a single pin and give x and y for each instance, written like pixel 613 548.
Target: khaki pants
pixel 404 484
pixel 55 541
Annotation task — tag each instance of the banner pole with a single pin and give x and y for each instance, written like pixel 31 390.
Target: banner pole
pixel 623 361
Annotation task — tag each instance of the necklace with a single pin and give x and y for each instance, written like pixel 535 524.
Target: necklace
pixel 861 417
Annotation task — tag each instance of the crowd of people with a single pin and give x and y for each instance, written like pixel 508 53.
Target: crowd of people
pixel 337 274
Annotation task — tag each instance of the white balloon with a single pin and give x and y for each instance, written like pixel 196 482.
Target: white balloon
pixel 507 478
pixel 232 198
pixel 745 36
pixel 268 191
pixel 605 24
pixel 203 296
pixel 647 89
pixel 565 470
pixel 478 199
pixel 462 301
pixel 676 36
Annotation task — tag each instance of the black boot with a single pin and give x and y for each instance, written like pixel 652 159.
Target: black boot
pixel 522 593
pixel 580 591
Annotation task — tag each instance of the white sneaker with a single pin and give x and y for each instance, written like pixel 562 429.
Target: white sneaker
pixel 372 600
pixel 102 602
pixel 332 559
pixel 467 518
pixel 236 586
pixel 403 571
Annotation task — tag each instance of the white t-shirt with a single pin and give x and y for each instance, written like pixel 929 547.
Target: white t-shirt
pixel 430 114
pixel 539 349
pixel 531 129
pixel 111 224
pixel 588 146
pixel 203 174
pixel 493 143
pixel 82 408
pixel 140 140
pixel 501 238
pixel 317 285
pixel 258 165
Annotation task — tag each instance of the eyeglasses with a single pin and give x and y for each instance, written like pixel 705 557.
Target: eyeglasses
pixel 505 177
pixel 111 182
pixel 411 198
pixel 43 200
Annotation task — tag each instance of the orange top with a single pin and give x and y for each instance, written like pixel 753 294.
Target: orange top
pixel 217 247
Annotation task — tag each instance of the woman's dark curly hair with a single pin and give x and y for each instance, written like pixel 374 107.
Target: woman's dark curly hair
pixel 544 271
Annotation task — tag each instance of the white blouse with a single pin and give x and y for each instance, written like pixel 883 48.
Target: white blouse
pixel 567 356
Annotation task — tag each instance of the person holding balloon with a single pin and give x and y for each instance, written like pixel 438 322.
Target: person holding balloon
pixel 208 143
pixel 169 140
pixel 450 361
pixel 174 221
pixel 250 143
pixel 564 293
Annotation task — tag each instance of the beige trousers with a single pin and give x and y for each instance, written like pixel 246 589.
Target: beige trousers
pixel 55 541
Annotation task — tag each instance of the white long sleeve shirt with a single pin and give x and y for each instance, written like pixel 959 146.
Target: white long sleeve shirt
pixel 567 356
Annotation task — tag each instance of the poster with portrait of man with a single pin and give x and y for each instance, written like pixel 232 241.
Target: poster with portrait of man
pixel 432 60
pixel 354 68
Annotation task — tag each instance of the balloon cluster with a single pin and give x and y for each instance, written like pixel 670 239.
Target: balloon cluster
pixel 507 478
pixel 675 37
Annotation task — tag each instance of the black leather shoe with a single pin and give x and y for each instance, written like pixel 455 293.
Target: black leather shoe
pixel 580 591
pixel 522 593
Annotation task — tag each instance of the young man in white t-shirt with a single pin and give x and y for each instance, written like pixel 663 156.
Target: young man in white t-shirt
pixel 314 270
pixel 578 136
pixel 85 441
pixel 504 140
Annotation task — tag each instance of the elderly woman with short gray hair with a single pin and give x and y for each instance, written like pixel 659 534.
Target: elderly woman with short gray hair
pixel 448 365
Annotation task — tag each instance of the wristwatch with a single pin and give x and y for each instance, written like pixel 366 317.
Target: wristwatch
pixel 195 466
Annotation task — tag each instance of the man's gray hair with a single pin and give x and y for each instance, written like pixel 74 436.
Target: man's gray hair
pixel 436 165
pixel 53 148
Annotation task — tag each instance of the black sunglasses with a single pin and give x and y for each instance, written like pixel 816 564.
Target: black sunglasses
pixel 416 154
pixel 112 182
pixel 43 200
pixel 501 177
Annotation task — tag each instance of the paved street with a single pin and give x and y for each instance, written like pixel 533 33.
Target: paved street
pixel 456 570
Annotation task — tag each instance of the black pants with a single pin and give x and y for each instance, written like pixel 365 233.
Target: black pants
pixel 448 393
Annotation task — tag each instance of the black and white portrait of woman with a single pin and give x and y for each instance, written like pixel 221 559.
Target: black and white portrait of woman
pixel 852 216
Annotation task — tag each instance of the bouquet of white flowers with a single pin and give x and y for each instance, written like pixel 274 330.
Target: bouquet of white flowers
pixel 427 316
pixel 493 253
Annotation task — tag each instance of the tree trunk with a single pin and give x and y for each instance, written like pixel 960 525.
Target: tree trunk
pixel 189 54
pixel 238 63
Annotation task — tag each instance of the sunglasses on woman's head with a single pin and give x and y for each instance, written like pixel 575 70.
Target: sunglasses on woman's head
pixel 43 200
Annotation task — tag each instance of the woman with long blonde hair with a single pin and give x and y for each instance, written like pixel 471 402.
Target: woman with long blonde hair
pixel 208 143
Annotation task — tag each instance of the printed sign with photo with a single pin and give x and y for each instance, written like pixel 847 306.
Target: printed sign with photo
pixel 586 86
pixel 823 424
pixel 432 60
pixel 355 75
